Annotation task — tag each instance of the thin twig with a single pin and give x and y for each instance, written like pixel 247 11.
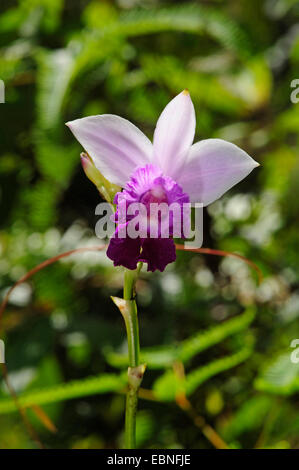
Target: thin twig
pixel 184 403
pixel 31 431
pixel 44 418
pixel 210 251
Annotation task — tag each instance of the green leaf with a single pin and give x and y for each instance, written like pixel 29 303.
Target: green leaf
pixel 144 427
pixel 155 358
pixel 80 388
pixel 55 162
pixel 169 385
pixel 92 47
pixel 248 417
pixel 204 340
pixel 204 88
pixel 190 18
pixel 201 375
pixel 160 357
pixel 41 200
pixel 280 378
pixel 55 70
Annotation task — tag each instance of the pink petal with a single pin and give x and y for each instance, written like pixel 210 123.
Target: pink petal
pixel 212 168
pixel 174 134
pixel 116 146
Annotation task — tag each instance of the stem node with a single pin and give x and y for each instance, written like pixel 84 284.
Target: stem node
pixel 135 376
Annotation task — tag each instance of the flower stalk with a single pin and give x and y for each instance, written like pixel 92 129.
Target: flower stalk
pixel 128 309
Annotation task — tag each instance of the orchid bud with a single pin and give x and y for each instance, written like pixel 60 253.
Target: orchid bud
pixel 106 189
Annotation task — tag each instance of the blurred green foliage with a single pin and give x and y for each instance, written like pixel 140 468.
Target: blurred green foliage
pixel 65 341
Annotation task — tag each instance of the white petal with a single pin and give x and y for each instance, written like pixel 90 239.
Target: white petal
pixel 174 134
pixel 212 168
pixel 116 146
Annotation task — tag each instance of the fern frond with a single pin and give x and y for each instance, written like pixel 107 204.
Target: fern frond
pixel 190 18
pixel 80 388
pixel 248 417
pixel 201 375
pixel 206 89
pixel 164 356
pixel 280 378
pixel 54 74
pixel 168 386
pixel 204 340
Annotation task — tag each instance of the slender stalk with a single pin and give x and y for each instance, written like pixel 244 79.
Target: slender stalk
pixel 131 321
pixel 128 309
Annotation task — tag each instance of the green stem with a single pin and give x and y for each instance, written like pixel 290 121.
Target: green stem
pixel 135 370
pixel 129 283
pixel 130 420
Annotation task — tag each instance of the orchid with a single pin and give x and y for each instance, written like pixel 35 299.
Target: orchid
pixel 169 171
pixel 172 169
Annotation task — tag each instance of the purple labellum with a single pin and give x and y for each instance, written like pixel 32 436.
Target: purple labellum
pixel 148 187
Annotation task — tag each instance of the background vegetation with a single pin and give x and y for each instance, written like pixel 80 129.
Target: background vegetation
pixel 64 59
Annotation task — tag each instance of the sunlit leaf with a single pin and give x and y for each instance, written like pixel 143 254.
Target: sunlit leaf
pixel 168 385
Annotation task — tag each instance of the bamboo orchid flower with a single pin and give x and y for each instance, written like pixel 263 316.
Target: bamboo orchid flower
pixel 172 169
